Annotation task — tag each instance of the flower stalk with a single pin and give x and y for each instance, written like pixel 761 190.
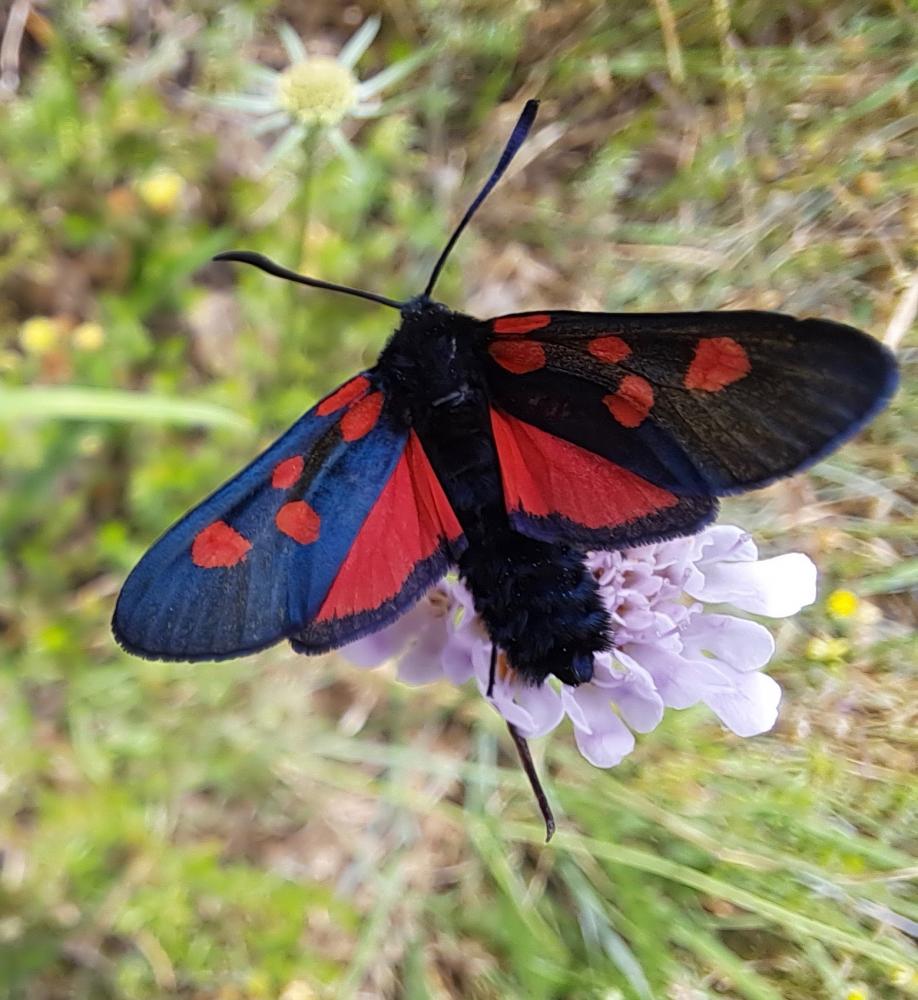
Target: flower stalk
pixel 303 219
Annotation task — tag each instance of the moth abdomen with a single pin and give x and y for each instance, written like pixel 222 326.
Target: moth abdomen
pixel 540 604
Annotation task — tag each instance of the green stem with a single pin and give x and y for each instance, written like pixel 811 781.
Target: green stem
pixel 303 212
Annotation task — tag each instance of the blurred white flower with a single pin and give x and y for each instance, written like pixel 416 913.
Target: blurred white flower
pixel 668 650
pixel 315 92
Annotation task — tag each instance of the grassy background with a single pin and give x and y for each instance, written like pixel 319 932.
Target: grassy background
pixel 283 828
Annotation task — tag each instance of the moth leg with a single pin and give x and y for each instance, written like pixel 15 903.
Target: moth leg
pixel 492 670
pixel 522 748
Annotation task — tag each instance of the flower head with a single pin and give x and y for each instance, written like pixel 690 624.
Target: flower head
pixel 315 92
pixel 318 92
pixel 842 604
pixel 40 334
pixel 88 336
pixel 669 650
pixel 161 190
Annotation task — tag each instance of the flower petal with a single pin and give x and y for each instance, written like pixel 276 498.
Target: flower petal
pixel 359 42
pixel 751 707
pixel 286 143
pixel 595 709
pixel 573 710
pixel 261 76
pixel 391 74
pixel 504 703
pixel 544 706
pixel 293 44
pixel 608 746
pixel 467 650
pixel 724 541
pixel 680 682
pixel 276 120
pixel 742 644
pixel 257 104
pixel 775 587
pixel 637 697
pixel 423 663
pixel 376 648
pixel 458 664
pixel 345 149
pixel 535 709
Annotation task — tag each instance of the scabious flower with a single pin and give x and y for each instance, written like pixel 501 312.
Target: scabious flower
pixel 669 650
pixel 315 92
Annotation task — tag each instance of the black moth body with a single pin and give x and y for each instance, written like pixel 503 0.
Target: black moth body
pixel 539 603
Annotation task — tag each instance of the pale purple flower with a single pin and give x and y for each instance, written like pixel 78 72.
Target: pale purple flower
pixel 668 651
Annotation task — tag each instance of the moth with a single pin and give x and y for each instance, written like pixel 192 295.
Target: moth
pixel 505 449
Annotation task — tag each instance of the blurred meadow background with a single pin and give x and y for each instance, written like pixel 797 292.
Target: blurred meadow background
pixel 287 828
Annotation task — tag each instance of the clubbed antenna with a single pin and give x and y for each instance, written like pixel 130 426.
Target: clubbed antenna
pixel 517 136
pixel 266 264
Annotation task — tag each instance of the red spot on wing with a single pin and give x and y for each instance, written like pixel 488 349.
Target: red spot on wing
pixel 520 324
pixel 297 520
pixel 218 545
pixel 407 524
pixel 609 348
pixel 718 362
pixel 518 356
pixel 345 394
pixel 631 402
pixel 286 473
pixel 543 474
pixel 361 417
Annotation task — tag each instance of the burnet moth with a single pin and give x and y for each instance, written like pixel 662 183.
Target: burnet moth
pixel 504 448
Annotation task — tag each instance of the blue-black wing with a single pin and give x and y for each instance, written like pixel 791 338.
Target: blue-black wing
pixel 272 553
pixel 702 404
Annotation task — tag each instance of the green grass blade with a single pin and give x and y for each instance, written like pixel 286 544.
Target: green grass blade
pixel 85 403
pixel 793 921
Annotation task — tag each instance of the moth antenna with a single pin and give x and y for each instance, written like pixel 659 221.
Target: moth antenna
pixel 522 748
pixel 266 264
pixel 517 137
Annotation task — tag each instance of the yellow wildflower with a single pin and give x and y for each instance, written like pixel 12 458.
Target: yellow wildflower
pixel 39 335
pixel 823 650
pixel 842 604
pixel 88 337
pixel 905 978
pixel 161 190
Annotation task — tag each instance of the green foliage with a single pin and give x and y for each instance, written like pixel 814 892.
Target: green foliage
pixel 278 828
